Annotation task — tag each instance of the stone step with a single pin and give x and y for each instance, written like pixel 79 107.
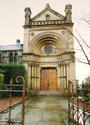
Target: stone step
pixel 48 93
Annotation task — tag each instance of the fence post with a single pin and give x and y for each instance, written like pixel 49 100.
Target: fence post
pixel 69 82
pixel 77 103
pixel 83 102
pixel 72 102
pixel 10 97
pixel 23 102
pixel 23 95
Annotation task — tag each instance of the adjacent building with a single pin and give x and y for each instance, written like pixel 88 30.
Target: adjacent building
pixel 11 53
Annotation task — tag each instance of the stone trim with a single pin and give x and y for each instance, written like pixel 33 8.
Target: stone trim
pixel 51 10
pixel 30 54
pixel 70 52
pixel 47 23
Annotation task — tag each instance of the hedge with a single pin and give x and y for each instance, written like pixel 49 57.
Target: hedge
pixel 2 87
pixel 12 71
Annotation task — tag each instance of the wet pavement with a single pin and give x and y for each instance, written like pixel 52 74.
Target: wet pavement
pixel 42 110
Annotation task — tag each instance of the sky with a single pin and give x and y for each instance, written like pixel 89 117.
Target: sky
pixel 12 21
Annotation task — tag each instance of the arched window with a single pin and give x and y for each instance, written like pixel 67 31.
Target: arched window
pixel 15 57
pixel 11 57
pixel 47 17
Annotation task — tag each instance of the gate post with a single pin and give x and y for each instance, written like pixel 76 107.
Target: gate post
pixel 69 82
pixel 10 97
pixel 23 102
pixel 23 95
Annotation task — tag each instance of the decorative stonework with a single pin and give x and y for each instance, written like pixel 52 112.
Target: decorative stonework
pixel 48 44
pixel 32 34
pixel 48 49
pixel 63 32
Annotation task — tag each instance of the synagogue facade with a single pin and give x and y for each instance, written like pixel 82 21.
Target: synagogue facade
pixel 48 49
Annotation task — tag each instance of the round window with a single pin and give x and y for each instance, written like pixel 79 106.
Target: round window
pixel 48 49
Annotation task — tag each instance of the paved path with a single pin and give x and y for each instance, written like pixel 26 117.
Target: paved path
pixel 44 110
pixel 49 93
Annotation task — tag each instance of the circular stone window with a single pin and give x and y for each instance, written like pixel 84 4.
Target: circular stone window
pixel 48 49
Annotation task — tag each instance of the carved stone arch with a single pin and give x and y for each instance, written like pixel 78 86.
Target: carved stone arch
pixel 43 37
pixel 44 43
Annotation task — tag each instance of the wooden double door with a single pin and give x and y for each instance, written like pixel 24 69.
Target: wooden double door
pixel 48 79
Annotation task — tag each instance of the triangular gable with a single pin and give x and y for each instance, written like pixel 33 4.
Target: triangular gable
pixel 48 11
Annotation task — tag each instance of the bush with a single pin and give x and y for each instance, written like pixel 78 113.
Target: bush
pixel 12 71
pixel 1 79
pixel 2 87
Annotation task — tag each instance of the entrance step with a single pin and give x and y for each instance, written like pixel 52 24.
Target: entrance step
pixel 49 93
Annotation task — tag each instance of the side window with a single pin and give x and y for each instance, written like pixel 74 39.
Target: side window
pixel 11 57
pixel 15 57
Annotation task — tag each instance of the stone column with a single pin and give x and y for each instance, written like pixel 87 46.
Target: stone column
pixel 66 75
pixel 38 79
pixel 36 76
pixel 29 76
pixel 58 75
pixel 61 78
pixel 28 79
pixel 32 77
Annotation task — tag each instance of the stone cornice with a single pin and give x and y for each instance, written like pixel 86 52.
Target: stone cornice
pixel 30 54
pixel 69 52
pixel 54 27
pixel 46 23
pixel 47 28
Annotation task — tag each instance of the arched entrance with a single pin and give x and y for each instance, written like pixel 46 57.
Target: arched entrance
pixel 48 79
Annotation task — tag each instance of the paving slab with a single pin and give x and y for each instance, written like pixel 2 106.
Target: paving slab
pixel 47 110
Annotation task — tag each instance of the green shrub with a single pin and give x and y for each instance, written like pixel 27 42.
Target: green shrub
pixel 1 79
pixel 2 87
pixel 12 71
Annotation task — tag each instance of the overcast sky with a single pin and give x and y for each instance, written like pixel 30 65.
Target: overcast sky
pixel 12 21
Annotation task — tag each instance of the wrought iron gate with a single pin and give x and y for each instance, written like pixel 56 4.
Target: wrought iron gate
pixel 78 107
pixel 9 120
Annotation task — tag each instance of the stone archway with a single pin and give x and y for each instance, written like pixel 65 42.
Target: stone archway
pixel 47 38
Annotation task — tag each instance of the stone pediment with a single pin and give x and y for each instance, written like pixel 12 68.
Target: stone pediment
pixel 48 14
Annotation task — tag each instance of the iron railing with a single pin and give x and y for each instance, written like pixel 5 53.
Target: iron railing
pixel 78 104
pixel 9 120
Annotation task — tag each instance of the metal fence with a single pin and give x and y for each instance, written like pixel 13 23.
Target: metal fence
pixel 9 120
pixel 78 104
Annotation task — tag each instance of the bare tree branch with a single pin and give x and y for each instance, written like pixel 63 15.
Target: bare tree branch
pixel 87 21
pixel 83 39
pixel 80 46
pixel 81 61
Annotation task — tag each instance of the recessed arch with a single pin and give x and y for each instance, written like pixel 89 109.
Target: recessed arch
pixel 46 38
